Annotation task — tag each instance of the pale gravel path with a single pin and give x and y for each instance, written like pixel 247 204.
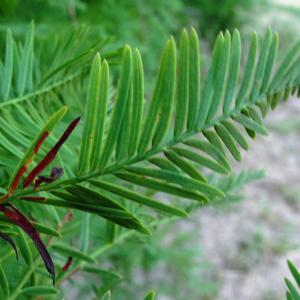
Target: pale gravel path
pixel 251 242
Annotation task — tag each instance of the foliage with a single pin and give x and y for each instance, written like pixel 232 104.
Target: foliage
pixel 134 161
pixel 221 15
pixel 212 16
pixel 292 292
pixel 145 21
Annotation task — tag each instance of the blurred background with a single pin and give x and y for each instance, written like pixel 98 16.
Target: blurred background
pixel 234 250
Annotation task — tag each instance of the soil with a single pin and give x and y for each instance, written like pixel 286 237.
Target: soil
pixel 250 243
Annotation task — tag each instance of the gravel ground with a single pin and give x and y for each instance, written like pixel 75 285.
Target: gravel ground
pixel 250 243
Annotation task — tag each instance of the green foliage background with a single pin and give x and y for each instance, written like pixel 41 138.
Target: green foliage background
pixel 68 33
